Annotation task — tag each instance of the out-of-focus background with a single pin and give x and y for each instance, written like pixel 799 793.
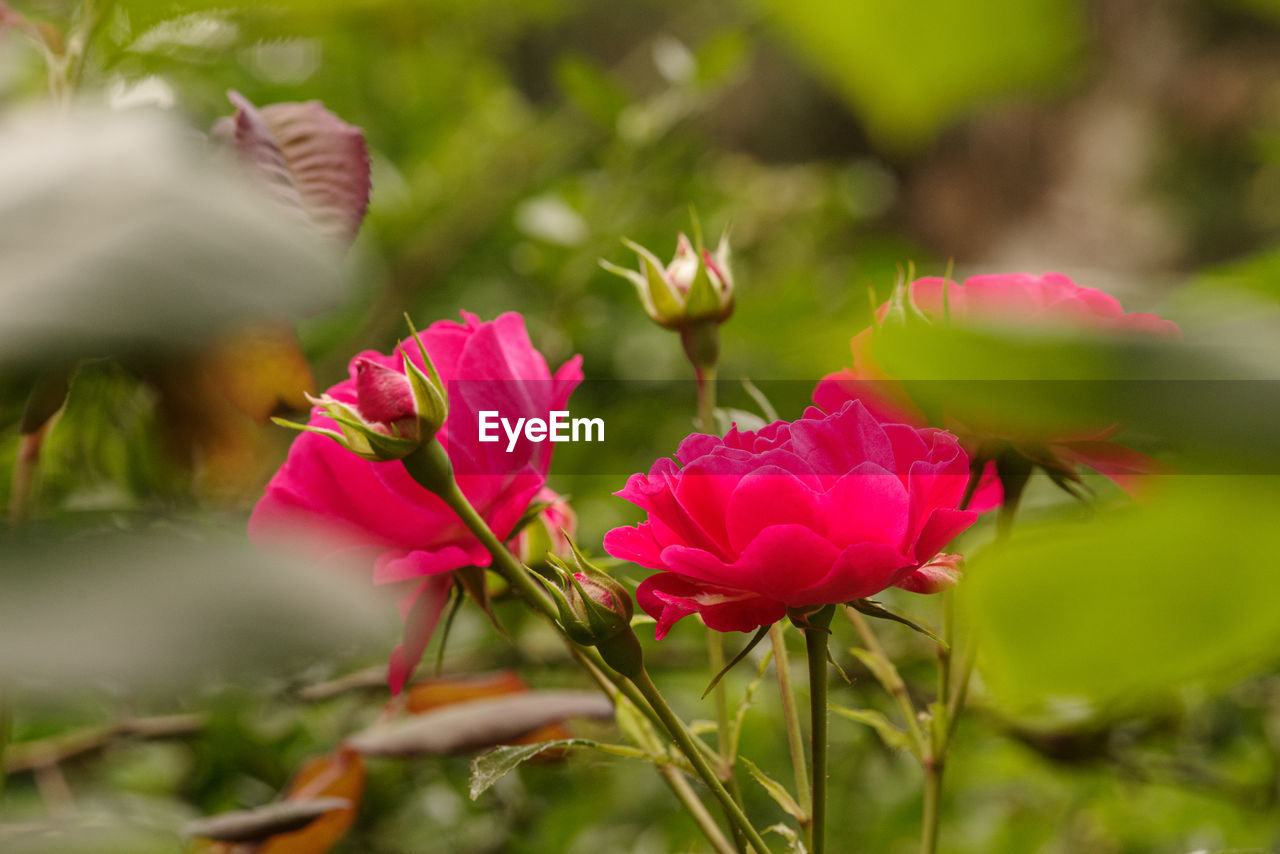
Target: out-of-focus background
pixel 1133 144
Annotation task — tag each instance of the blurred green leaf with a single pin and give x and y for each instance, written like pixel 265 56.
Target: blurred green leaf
pixel 591 90
pixel 1132 604
pixel 909 68
pixel 776 790
pixel 893 738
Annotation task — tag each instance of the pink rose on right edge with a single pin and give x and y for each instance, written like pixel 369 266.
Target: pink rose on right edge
pixel 1052 301
pixel 821 510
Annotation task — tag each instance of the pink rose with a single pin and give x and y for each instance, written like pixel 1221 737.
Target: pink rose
pixel 1051 301
pixel 323 489
pixel 821 510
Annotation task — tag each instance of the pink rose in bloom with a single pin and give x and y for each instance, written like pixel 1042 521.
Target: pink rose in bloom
pixel 327 491
pixel 820 510
pixel 1051 302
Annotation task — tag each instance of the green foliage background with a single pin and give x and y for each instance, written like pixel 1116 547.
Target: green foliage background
pixel 1135 145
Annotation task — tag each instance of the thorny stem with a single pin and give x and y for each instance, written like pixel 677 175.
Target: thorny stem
pixel 432 469
pixel 715 658
pixel 685 740
pixel 706 398
pixel 795 739
pixel 815 643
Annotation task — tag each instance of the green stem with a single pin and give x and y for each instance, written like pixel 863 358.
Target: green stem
pixel 431 468
pixel 932 799
pixel 686 742
pixel 815 643
pixel 4 744
pixel 795 739
pixel 724 745
pixel 706 398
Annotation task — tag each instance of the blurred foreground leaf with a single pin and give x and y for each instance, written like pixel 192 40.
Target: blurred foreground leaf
pixel 909 68
pixel 1214 398
pixel 119 232
pixel 164 610
pixel 1128 605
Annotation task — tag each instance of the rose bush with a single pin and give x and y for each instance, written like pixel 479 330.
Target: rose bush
pixel 348 502
pixel 825 509
pixel 1051 302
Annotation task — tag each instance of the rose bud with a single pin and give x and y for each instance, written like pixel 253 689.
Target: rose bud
pixel 595 610
pixel 395 412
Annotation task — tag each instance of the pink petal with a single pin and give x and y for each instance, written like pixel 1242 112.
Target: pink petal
pixel 383 395
pixel 943 572
pixel 668 598
pixel 861 570
pixel 401 565
pixel 765 498
pixel 421 612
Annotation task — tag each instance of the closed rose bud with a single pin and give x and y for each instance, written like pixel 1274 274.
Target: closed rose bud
pixel 395 412
pixel 595 610
pixel 383 395
pixel 695 288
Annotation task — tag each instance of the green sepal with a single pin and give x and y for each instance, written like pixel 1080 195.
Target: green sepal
pixel 668 305
pixel 751 644
pixel 429 393
pixel 703 301
pixel 874 609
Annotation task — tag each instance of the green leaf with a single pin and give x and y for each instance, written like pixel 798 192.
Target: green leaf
pixel 591 90
pixel 1127 606
pixel 490 767
pixel 909 68
pixel 894 738
pixel 881 668
pixel 776 791
pixel 795 845
pixel 748 697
